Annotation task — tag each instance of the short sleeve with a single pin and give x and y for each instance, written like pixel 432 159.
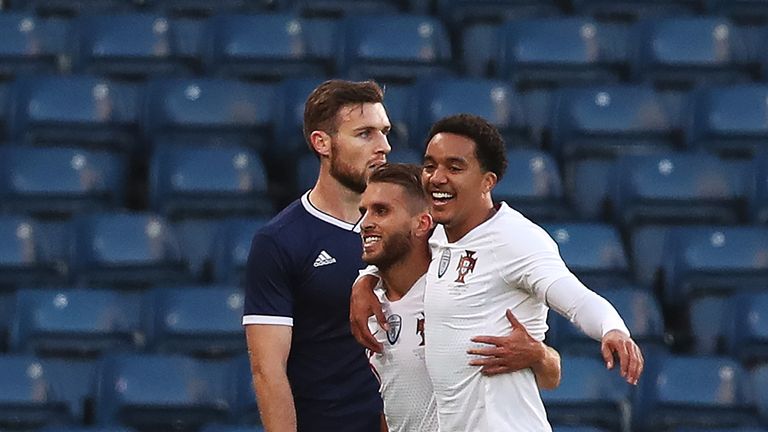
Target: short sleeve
pixel 268 290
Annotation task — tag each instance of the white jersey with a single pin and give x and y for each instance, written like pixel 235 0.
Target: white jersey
pixel 409 403
pixel 471 283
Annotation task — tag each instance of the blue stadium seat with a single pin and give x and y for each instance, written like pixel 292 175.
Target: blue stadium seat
pixel 245 409
pixel 74 110
pixel 197 8
pixel 758 200
pixel 73 7
pixel 732 120
pixel 587 185
pixel 208 111
pixel 641 313
pixel 678 53
pixel 130 45
pixel 125 249
pixel 231 248
pixel 588 395
pixel 692 391
pixel 707 260
pixel 208 181
pixel 232 428
pixel 28 397
pixel 748 338
pixel 672 188
pixel 62 428
pixel 462 12
pixel 267 46
pixel 494 100
pixel 557 428
pixel 77 322
pixel 29 44
pixel 604 121
pixel 74 383
pixel 479 50
pixel 532 186
pixel 593 251
pixel 708 327
pixel 549 52
pixel 393 48
pixel 337 8
pixel 59 180
pixel 196 320
pixel 631 10
pixel 7 308
pixel 159 392
pixel 26 256
pixel 646 250
pixel 710 429
pixel 760 381
pixel 399 101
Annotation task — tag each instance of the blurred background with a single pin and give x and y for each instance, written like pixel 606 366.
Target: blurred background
pixel 143 143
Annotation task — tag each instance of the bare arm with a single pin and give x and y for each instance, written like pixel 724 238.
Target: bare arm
pixel 362 304
pixel 268 348
pixel 519 350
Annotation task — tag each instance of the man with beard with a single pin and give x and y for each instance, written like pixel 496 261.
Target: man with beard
pixel 308 371
pixel 395 229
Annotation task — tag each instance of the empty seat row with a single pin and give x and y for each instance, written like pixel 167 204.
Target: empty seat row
pixel 160 391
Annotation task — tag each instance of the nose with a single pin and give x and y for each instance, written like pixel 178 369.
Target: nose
pixel 365 223
pixel 382 144
pixel 438 176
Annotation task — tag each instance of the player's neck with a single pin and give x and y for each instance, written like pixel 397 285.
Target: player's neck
pixel 400 276
pixel 455 232
pixel 331 197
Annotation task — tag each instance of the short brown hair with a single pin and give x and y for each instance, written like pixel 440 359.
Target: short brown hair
pixel 408 176
pixel 325 101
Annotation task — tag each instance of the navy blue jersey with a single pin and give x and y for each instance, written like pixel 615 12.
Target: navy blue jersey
pixel 300 272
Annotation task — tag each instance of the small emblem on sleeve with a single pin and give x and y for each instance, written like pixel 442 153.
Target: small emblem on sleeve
pixel 445 260
pixel 466 265
pixel 395 323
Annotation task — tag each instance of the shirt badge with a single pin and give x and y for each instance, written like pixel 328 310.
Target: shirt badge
pixel 395 324
pixel 445 259
pixel 466 265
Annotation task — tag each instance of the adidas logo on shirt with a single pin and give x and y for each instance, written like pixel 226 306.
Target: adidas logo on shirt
pixel 324 259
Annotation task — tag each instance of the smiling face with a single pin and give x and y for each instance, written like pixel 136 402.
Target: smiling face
pixel 359 144
pixel 390 224
pixel 457 185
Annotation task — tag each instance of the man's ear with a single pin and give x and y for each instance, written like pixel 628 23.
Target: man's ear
pixel 321 142
pixel 489 181
pixel 425 224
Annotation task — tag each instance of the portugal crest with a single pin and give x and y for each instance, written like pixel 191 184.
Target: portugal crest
pixel 445 259
pixel 466 265
pixel 395 323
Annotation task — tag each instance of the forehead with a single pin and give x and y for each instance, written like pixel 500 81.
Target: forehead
pixel 383 193
pixel 447 145
pixel 365 114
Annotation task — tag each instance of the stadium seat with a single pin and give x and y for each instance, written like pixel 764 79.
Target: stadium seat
pixel 458 13
pixel 495 101
pixel 75 322
pixel 29 44
pixel 208 111
pixel 707 330
pixel 532 186
pixel 679 53
pixel 199 8
pixel 159 392
pixel 28 398
pixel 479 50
pixel 26 257
pixel 639 309
pixel 731 120
pixel 208 181
pixel 669 188
pixel 7 310
pixel 338 8
pixel 51 181
pixel 692 391
pixel 73 7
pixel 550 52
pixel 733 429
pixel 232 428
pixel 267 46
pixel 758 199
pixel 760 381
pixel 245 409
pixel 748 338
pixel 712 260
pixel 631 10
pixel 393 48
pixel 231 249
pixel 74 110
pixel 646 250
pixel 740 11
pixel 129 45
pixel 62 428
pixel 588 395
pixel 125 249
pixel 196 320
pixel 73 379
pixel 604 121
pixel 399 101
pixel 558 428
pixel 592 251
pixel 587 186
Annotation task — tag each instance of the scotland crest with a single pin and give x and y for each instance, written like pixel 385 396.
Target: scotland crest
pixel 395 324
pixel 445 259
